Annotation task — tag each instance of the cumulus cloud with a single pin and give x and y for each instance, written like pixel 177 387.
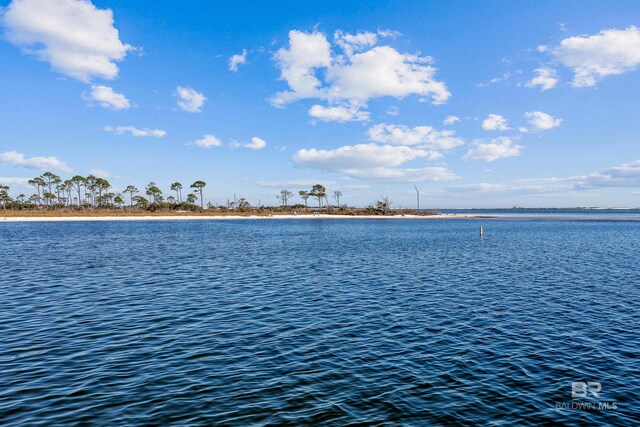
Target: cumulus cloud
pixel 545 78
pixel 542 121
pixel 236 60
pixel 450 120
pixel 357 156
pixel 383 71
pixel 256 143
pixel 339 114
pixel 495 149
pixel 365 71
pixel 208 141
pixel 190 100
pixel 297 64
pixel 372 161
pixel 107 98
pixel 595 57
pixel 422 136
pixel 73 36
pixel 495 122
pixel 134 131
pixel 14 158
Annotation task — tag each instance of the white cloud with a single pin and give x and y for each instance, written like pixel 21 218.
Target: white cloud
pixel 73 36
pixel 208 141
pixel 338 114
pixel 546 78
pixel 106 97
pixel 190 100
pixel 357 156
pixel 383 71
pixel 256 143
pixel 392 34
pixel 14 158
pixel 350 43
pixel 497 148
pixel 542 121
pixel 236 60
pixel 495 122
pixel 372 161
pixel 297 65
pixel 625 175
pixel 607 53
pixel 450 120
pixel 422 136
pixel 121 130
pixel 355 77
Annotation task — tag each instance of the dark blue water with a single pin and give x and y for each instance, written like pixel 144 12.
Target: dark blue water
pixel 327 322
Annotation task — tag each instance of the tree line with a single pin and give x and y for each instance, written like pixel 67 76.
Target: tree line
pixel 51 191
pixel 93 192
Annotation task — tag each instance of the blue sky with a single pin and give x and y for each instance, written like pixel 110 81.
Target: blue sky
pixel 542 98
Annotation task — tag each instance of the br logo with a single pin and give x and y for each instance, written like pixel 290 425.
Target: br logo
pixel 582 389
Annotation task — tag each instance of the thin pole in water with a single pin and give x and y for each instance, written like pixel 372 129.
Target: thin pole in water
pixel 481 231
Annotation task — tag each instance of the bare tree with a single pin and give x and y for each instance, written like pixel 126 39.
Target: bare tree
pixel 284 195
pixel 336 195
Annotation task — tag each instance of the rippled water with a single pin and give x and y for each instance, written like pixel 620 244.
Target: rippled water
pixel 395 322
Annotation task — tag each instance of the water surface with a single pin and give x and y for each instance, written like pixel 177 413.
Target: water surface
pixel 401 322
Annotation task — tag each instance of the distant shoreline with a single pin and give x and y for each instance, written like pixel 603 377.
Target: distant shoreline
pixel 147 217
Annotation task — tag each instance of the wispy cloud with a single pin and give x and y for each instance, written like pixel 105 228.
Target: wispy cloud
pixel 14 158
pixel 236 60
pixel 134 131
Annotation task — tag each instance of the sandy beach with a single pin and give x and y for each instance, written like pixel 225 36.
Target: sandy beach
pixel 226 217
